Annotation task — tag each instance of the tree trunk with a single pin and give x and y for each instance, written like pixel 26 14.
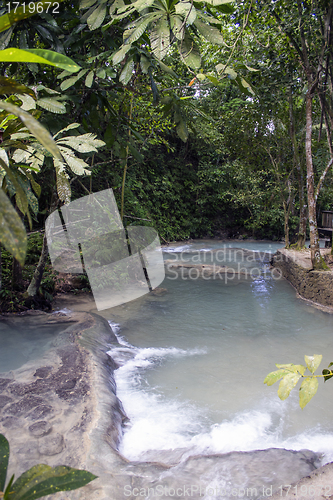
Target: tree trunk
pixel 38 274
pixel 17 279
pixel 303 213
pixel 316 259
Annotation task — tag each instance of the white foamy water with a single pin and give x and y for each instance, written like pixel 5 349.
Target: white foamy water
pixel 193 364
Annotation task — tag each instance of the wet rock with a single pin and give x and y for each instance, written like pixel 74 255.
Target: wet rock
pixel 51 445
pixel 4 400
pixel 41 411
pixel 4 382
pixel 41 428
pixel 43 372
pixel 23 406
pixel 10 422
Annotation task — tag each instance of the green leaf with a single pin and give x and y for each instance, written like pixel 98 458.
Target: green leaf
pixel 166 69
pixel 12 231
pixel 120 54
pixel 42 480
pixel 177 26
pixel 41 134
pixel 293 368
pixel 275 376
pixel 101 73
pixel 327 374
pixel 41 56
pixel 89 79
pixel 189 52
pixel 160 37
pixel 77 165
pixel 63 186
pixel 127 71
pixel 9 86
pixel 35 186
pixel 20 13
pixel 52 105
pixel 96 18
pixel 209 32
pixel 71 81
pixel 137 155
pixel 287 384
pixel 312 362
pixel 182 130
pixel 4 455
pixel 187 10
pixel 85 4
pixel 200 77
pixel 307 390
pixel 69 127
pixel 145 63
pixel 138 28
pixel 213 79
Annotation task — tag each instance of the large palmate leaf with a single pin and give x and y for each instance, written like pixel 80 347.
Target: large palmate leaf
pixel 209 32
pixel 34 127
pixel 160 37
pixel 41 56
pixel 12 234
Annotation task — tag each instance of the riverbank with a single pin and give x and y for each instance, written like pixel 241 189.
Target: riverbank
pixel 314 286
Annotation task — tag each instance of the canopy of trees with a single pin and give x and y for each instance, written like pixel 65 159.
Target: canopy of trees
pixel 207 118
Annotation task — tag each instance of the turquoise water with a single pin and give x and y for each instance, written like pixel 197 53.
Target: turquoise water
pixel 201 352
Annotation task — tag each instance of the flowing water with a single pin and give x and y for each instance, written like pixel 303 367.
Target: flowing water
pixel 194 359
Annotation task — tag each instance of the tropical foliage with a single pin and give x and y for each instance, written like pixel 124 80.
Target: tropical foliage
pixel 202 107
pixel 40 480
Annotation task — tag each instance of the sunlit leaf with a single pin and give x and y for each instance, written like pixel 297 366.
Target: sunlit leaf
pixel 52 105
pixel 293 368
pixel 41 56
pixel 89 79
pixel 312 362
pixel 307 390
pixel 275 376
pixel 160 37
pixel 287 384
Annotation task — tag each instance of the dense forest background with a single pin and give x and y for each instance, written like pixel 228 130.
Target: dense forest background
pixel 207 119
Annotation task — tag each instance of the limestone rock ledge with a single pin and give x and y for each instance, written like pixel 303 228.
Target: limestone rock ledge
pixel 295 266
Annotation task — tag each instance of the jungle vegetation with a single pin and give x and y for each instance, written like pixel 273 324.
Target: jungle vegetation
pixel 207 119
